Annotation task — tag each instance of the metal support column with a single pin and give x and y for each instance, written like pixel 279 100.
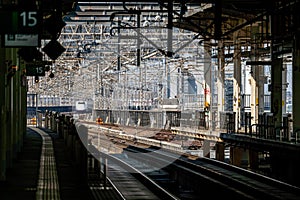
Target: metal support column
pixel 23 108
pixel 15 121
pixel 3 133
pixel 296 82
pixel 9 109
pixel 207 77
pixel 284 87
pixel 254 79
pixel 170 29
pixel 276 92
pixel 237 76
pixel 138 60
pixel 218 88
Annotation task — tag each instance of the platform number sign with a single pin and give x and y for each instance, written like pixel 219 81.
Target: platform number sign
pixel 29 18
pixel 20 22
pixel 33 69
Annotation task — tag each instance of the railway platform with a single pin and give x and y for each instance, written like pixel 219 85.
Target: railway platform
pixel 44 169
pixel 54 163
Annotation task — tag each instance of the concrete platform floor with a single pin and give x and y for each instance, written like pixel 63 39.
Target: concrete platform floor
pixel 23 175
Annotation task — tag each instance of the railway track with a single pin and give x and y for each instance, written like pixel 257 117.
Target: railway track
pixel 202 176
pixel 130 182
pixel 229 180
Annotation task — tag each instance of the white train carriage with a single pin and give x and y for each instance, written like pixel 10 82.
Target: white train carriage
pixel 81 106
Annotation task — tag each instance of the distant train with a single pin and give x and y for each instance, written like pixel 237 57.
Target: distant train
pixel 83 106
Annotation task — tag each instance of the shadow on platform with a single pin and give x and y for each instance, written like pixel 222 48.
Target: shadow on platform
pixel 23 175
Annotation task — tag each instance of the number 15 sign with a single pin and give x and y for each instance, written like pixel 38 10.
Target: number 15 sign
pixel 20 22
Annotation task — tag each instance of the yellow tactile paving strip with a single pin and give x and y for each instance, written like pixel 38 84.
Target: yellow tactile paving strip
pixel 48 186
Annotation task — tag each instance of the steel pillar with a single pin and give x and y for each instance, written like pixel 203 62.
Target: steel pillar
pixel 237 83
pixel 3 133
pixel 276 91
pixel 296 84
